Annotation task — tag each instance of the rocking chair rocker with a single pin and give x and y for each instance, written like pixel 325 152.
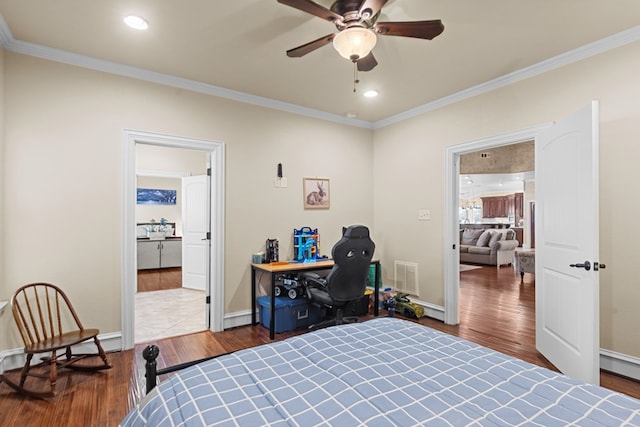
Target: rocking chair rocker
pixel 48 324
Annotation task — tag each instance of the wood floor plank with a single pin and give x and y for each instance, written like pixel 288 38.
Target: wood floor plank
pixel 496 311
pixel 159 279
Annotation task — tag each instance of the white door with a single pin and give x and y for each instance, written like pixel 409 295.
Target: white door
pixel 567 299
pixel 195 226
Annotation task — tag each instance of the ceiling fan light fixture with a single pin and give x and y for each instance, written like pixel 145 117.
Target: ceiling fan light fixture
pixel 354 43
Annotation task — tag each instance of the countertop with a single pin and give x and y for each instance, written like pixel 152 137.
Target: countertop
pixel 166 238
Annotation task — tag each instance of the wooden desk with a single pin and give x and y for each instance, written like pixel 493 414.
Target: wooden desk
pixel 295 267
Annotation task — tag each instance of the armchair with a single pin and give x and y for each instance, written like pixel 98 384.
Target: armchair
pixel 347 280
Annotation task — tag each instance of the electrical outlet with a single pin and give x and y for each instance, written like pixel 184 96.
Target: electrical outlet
pixel 424 215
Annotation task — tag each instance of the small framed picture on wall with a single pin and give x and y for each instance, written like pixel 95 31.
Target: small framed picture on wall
pixel 316 193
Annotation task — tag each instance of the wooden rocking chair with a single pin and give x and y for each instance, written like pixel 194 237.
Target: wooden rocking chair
pixel 48 324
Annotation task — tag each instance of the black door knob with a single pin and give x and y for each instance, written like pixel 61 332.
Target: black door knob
pixel 586 265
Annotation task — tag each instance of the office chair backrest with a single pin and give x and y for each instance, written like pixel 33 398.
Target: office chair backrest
pixel 352 255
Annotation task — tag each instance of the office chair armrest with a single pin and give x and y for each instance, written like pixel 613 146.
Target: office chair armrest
pixel 313 279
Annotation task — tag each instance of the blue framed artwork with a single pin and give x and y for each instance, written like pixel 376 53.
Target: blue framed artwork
pixel 151 196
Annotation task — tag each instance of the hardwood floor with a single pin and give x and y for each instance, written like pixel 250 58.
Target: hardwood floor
pixel 496 311
pixel 159 279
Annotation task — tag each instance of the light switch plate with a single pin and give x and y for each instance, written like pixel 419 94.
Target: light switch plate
pixel 424 215
pixel 280 182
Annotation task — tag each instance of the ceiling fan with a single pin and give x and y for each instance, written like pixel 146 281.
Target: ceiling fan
pixel 356 21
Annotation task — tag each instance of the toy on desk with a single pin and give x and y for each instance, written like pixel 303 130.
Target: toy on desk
pixel 273 251
pixel 306 244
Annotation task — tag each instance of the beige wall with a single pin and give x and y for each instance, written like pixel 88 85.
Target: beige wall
pixel 4 294
pixel 409 156
pixel 172 213
pixel 168 164
pixel 64 170
pixel 63 173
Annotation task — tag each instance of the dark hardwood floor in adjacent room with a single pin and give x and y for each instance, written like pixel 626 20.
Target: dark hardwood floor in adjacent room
pixel 159 279
pixel 496 310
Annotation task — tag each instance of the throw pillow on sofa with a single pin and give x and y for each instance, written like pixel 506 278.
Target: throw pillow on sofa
pixel 484 238
pixel 470 236
pixel 495 238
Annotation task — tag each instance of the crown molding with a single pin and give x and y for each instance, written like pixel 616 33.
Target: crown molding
pixel 6 36
pixel 609 43
pixel 11 44
pixel 612 42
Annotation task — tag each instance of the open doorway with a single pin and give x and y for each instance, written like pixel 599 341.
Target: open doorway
pixel 495 186
pixel 213 153
pixel 453 212
pixel 165 304
pixel 571 234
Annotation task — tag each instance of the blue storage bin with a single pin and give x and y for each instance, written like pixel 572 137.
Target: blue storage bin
pixel 290 313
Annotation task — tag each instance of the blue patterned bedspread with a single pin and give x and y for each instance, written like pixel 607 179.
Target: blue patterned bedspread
pixel 382 372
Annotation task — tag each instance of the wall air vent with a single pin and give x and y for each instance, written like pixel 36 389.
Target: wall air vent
pixel 405 276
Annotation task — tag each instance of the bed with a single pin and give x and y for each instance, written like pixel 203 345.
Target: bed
pixel 382 372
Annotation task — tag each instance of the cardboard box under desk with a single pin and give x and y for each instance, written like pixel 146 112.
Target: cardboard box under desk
pixel 290 313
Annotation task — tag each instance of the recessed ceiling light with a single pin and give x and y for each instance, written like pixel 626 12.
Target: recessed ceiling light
pixel 371 93
pixel 136 22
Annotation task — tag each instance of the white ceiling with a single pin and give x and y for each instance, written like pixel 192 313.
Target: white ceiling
pixel 476 185
pixel 236 48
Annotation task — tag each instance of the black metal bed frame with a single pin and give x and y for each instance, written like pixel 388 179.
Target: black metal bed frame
pixel 151 353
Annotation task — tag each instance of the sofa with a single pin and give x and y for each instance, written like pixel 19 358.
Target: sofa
pixel 489 246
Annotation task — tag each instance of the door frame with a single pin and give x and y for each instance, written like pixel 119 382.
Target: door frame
pixel 452 200
pixel 215 161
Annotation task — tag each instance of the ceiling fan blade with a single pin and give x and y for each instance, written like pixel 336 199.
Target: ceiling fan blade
pixel 369 8
pixel 418 29
pixel 302 50
pixel 367 63
pixel 314 9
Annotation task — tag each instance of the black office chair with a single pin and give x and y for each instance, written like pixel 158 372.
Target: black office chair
pixel 347 280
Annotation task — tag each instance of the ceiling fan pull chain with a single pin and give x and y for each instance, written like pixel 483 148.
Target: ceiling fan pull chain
pixel 355 76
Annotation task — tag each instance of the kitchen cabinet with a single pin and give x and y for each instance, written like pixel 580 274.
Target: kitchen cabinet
pixel 503 206
pixel 518 204
pixel 159 253
pixel 494 207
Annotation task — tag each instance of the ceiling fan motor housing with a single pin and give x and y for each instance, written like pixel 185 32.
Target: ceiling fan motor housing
pixel 356 21
pixel 351 14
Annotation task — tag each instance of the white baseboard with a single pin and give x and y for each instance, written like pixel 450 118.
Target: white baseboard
pixel 431 310
pixel 15 358
pixel 620 364
pixel 238 318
